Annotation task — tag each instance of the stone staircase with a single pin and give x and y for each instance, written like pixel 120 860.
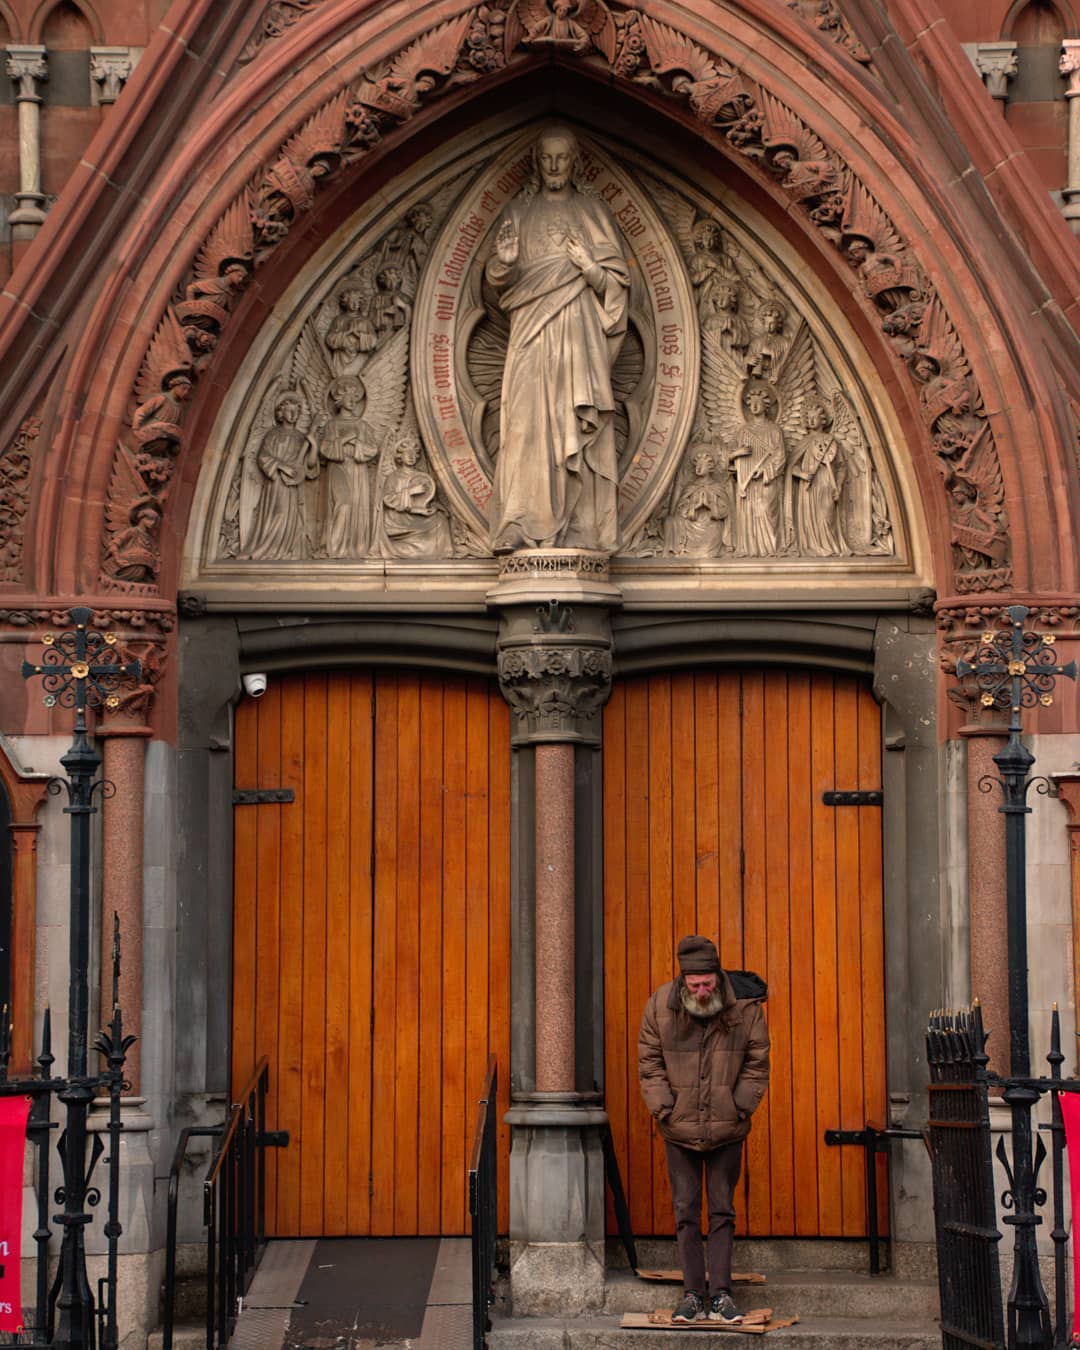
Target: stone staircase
pixel 839 1306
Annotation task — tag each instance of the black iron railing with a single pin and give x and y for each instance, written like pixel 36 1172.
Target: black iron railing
pixel 484 1205
pixel 234 1209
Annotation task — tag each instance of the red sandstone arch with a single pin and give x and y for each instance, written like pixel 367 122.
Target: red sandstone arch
pixel 155 183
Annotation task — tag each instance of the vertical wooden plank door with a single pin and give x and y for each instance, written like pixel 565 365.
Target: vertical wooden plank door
pixel 714 823
pixel 371 945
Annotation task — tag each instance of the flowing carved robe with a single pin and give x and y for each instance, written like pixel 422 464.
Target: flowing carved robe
pixel 556 476
pixel 349 449
pixel 759 458
pixel 278 529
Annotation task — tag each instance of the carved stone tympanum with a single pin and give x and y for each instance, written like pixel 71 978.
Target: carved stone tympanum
pixel 554 349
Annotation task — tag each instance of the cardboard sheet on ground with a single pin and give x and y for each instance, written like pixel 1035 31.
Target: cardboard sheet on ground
pixel 675 1276
pixel 755 1323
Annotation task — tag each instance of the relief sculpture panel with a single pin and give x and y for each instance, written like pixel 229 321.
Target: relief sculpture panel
pixel 554 348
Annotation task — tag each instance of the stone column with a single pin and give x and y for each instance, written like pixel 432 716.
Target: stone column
pixel 1070 68
pixel 554 654
pixel 986 888
pixel 27 67
pixel 997 63
pixel 110 67
pixel 122 877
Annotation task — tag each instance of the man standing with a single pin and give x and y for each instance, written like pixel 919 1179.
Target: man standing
pixel 703 1063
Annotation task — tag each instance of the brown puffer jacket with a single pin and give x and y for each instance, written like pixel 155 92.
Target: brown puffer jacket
pixel 703 1078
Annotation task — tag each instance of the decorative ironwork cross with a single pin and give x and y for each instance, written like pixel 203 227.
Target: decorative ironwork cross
pixel 81 667
pixel 1015 669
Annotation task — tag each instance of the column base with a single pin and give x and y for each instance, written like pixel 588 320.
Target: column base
pixel 556 1205
pixel 136 1177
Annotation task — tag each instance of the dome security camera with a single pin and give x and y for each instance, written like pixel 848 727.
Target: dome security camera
pixel 255 685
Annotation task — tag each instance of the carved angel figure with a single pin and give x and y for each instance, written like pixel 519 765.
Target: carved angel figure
pixel 977 508
pixel 574 24
pixel 164 385
pixel 698 525
pixel 351 336
pixel 412 524
pixel 817 474
pixel 752 418
pixel 770 344
pixel 133 520
pixel 354 417
pixel 285 459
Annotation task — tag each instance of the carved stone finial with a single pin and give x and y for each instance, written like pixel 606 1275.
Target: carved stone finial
pixel 27 66
pixel 997 63
pixel 110 67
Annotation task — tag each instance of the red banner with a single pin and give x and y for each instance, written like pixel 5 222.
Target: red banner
pixel 1070 1112
pixel 13 1113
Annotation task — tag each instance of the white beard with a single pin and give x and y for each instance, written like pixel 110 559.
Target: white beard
pixel 696 1008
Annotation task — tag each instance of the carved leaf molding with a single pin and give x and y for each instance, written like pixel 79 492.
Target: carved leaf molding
pixel 15 466
pixel 756 124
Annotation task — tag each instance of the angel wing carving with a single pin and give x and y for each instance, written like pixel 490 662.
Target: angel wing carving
pixel 598 21
pixel 679 214
pixel 940 340
pixel 232 239
pixel 310 372
pixel 321 135
pixel 385 380
pixel 168 354
pixel 795 381
pixel 722 382
pixel 432 55
pixel 670 51
pixel 126 487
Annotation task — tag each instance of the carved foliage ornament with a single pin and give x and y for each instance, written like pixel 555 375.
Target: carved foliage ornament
pixel 963 630
pixel 827 17
pixel 643 51
pixel 15 463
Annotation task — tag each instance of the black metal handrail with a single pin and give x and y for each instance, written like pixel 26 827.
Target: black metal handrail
pixel 872 1139
pixel 234 1208
pixel 484 1205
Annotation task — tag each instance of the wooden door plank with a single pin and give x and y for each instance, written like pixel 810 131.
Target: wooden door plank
pixel 777 928
pixel 849 958
pixel 619 1025
pixel 454 1158
pixel 706 809
pixel 385 958
pixel 430 991
pixel 407 946
pixel 313 1064
pixel 499 927
pixel 339 940
pixel 477 966
pixel 755 937
pixel 729 742
pixel 801 910
pixel 662 937
pixel 639 984
pixel 245 896
pixel 268 821
pixel 360 852
pixel 826 1012
pixel 684 844
pixel 873 937
pixel 288 1065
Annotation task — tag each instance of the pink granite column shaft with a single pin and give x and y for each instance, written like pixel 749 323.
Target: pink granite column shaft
pixel 122 880
pixel 555 918
pixel 986 892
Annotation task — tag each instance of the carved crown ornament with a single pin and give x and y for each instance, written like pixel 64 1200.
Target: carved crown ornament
pixel 756 126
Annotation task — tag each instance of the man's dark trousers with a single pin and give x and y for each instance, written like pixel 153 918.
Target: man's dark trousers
pixel 721 1173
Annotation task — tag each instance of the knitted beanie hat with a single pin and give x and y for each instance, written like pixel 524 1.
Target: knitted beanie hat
pixel 698 956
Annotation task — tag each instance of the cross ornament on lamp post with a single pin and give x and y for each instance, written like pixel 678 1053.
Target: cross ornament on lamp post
pixel 1017 669
pixel 80 668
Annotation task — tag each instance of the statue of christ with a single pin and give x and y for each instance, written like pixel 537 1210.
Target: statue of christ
pixel 561 277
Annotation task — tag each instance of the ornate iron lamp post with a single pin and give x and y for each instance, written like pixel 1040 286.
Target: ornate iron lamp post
pixel 80 667
pixel 1015 669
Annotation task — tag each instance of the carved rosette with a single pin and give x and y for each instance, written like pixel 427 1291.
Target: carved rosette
pixel 666 64
pixel 555 690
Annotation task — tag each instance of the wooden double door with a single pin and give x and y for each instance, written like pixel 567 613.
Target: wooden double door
pixel 715 823
pixel 372 942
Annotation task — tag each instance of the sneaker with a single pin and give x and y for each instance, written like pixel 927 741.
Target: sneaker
pixel 690 1309
pixel 722 1309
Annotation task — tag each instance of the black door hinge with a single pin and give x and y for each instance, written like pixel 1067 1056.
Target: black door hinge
pixel 262 796
pixel 871 797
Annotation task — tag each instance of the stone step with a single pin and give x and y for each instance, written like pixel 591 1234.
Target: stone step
pixel 760 1254
pixel 186 1336
pixel 813 1333
pixel 834 1293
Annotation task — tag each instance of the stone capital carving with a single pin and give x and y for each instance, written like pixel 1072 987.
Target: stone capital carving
pixel 27 66
pixel 110 67
pixel 997 63
pixel 1069 65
